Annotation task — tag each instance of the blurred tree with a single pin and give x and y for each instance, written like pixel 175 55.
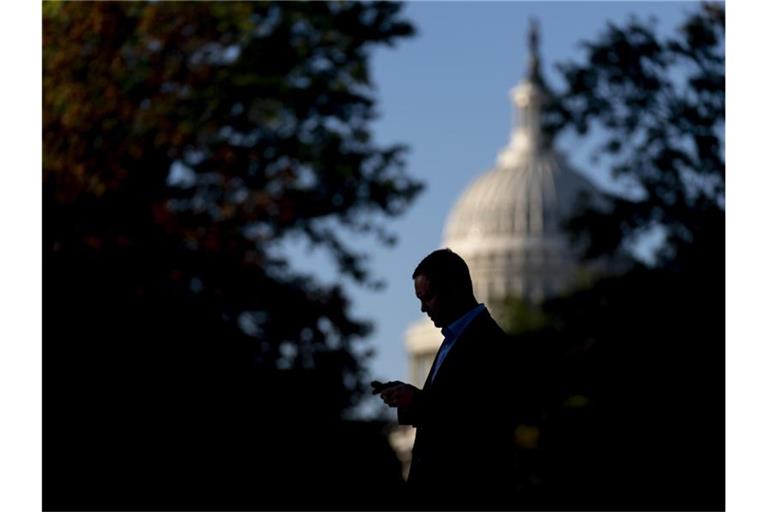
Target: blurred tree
pixel 631 371
pixel 182 142
pixel 661 103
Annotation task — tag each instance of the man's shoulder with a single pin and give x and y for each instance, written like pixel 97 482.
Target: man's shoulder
pixel 489 325
pixel 484 331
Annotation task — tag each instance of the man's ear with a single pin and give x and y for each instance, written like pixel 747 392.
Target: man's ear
pixel 453 293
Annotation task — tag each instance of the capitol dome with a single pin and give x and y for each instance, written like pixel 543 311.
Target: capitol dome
pixel 524 199
pixel 508 223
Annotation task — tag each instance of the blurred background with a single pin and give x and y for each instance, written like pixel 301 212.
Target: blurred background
pixel 235 196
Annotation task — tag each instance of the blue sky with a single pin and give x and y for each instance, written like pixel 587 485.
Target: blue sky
pixel 445 94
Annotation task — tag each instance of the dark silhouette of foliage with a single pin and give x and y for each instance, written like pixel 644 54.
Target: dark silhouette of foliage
pixel 629 373
pixel 662 104
pixel 186 364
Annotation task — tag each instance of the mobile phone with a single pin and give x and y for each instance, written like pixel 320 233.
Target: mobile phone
pixel 378 386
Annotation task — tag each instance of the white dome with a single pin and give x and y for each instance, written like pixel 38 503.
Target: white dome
pixel 508 224
pixel 530 198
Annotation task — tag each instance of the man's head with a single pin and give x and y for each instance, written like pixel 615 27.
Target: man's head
pixel 444 287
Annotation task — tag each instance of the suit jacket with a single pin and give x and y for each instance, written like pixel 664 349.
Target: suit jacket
pixel 464 419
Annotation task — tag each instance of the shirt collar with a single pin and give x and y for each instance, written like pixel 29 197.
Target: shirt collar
pixel 454 330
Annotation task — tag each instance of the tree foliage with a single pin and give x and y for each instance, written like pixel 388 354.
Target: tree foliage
pixel 182 142
pixel 631 371
pixel 661 102
pixel 263 111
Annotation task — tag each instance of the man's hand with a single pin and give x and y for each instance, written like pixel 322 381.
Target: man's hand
pixel 395 393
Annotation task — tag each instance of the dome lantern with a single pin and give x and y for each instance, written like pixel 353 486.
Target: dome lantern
pixel 529 98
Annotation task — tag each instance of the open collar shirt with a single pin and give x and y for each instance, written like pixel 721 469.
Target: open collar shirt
pixel 452 333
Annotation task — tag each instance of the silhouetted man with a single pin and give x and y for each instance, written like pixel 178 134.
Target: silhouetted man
pixel 463 453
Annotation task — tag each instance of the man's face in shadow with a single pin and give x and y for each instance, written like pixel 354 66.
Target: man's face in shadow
pixel 434 304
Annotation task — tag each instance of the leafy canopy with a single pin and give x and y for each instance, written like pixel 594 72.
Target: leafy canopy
pixel 182 141
pixel 660 102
